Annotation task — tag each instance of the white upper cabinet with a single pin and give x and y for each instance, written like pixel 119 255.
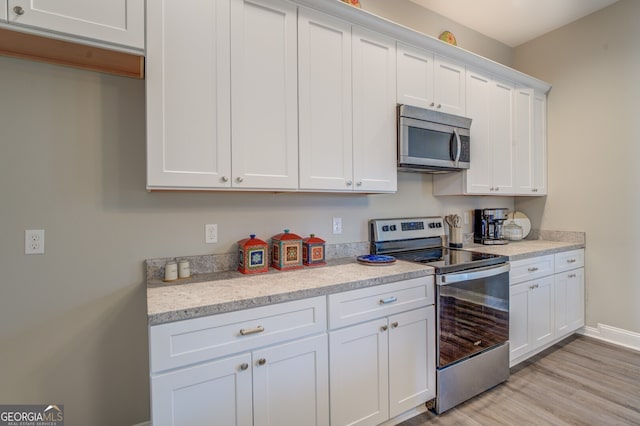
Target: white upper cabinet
pixel 374 111
pixel 119 22
pixel 188 96
pixel 428 81
pixel 325 101
pixel 264 107
pixel 490 106
pixel 3 11
pixel 530 142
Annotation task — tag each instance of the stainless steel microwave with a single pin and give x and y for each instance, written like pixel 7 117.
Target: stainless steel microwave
pixel 432 141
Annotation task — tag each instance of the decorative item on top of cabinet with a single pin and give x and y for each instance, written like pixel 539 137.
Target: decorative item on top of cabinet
pixel 448 37
pixel 355 3
pixel 253 255
pixel 286 251
pixel 313 253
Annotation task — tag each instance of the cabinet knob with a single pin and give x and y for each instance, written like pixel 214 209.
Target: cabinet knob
pixel 224 179
pixel 394 324
pixel 244 366
pixel 239 179
pixel 439 105
pixel 497 188
pixel 262 361
pixel 359 183
pixel 349 183
pixel 572 275
pixel 433 104
pixel 384 328
pixel 18 10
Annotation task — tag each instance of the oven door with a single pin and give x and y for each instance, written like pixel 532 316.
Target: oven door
pixel 432 145
pixel 472 312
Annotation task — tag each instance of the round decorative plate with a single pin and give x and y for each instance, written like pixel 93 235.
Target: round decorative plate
pixel 376 259
pixel 448 37
pixel 522 220
pixel 355 3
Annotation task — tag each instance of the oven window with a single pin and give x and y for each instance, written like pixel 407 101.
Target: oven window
pixel 472 316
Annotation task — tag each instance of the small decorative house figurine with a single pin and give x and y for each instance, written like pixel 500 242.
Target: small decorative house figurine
pixel 313 251
pixel 253 255
pixel 286 251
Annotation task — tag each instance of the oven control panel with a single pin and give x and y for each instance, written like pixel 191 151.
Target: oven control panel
pixel 405 228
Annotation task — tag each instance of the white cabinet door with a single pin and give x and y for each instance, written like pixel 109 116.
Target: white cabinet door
pixel 325 117
pixel 291 383
pixel 531 315
pixel 542 311
pixel 264 107
pixel 3 11
pixel 539 149
pixel 519 342
pixel 502 137
pixel 115 21
pixel 530 142
pixel 374 112
pixel 358 374
pixel 217 392
pixel 415 77
pixel 412 381
pixel 569 293
pixel 450 87
pixel 523 140
pixel 188 97
pixel 479 177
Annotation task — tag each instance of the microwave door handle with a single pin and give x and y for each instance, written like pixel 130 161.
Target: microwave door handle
pixel 458 145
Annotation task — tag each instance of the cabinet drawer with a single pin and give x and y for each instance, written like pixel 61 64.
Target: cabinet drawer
pixel 529 269
pixel 569 260
pixel 351 307
pixel 186 342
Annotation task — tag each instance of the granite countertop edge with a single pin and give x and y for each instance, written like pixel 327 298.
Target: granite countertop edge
pixel 527 249
pixel 211 306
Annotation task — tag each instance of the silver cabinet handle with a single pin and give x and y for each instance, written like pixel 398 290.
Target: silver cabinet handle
pixel 533 287
pixel 388 300
pixel 359 183
pixel 247 331
pixel 439 105
pixel 572 275
pixel 349 183
pixel 244 366
pixel 432 104
pixel 262 361
pixel 571 261
pixel 239 178
pixel 384 328
pixel 532 269
pixel 224 179
pixel 18 10
pixel 497 188
pixel 394 324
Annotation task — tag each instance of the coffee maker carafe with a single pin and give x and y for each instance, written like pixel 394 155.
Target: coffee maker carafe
pixel 487 226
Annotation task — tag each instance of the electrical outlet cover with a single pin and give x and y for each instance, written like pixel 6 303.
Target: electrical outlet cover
pixel 34 241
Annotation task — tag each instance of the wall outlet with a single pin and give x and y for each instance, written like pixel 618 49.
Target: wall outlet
pixel 337 225
pixel 211 233
pixel 34 241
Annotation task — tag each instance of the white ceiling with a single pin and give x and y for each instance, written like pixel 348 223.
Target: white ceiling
pixel 514 22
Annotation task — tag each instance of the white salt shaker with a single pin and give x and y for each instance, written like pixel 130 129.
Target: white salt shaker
pixel 184 269
pixel 170 271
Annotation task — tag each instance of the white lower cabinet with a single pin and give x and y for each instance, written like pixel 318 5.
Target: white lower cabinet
pixel 279 377
pixel 546 302
pixel 384 366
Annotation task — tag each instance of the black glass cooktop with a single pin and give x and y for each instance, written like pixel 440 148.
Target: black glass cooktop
pixel 447 260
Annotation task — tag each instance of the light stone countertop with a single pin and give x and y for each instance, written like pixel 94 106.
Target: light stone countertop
pixel 235 291
pixel 525 249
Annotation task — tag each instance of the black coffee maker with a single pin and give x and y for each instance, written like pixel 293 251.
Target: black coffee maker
pixel 487 226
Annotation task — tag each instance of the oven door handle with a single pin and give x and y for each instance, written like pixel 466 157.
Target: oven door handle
pixel 457 277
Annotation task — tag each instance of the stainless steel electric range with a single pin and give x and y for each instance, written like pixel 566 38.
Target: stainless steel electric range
pixel 472 305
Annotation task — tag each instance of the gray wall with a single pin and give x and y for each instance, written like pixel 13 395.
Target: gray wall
pixel 72 161
pixel 594 146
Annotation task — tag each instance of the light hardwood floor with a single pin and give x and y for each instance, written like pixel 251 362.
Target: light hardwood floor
pixel 580 381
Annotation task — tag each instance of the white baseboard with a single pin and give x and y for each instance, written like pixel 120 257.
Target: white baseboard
pixel 617 336
pixel 143 424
